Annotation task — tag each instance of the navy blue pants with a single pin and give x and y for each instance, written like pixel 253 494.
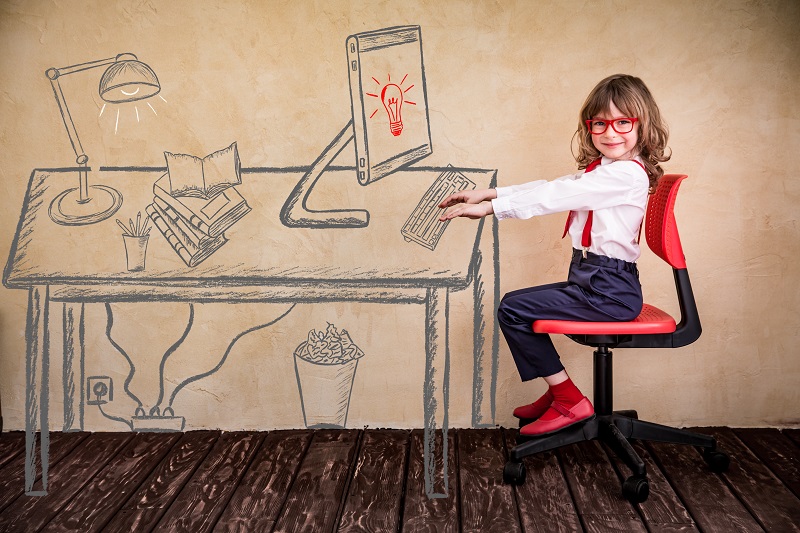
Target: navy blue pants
pixel 598 289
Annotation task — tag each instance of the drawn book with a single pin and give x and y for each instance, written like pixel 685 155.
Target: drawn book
pixel 192 233
pixel 211 216
pixel 192 255
pixel 192 238
pixel 189 175
pixel 389 100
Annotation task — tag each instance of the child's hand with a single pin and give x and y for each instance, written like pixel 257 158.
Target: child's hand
pixel 473 211
pixel 468 197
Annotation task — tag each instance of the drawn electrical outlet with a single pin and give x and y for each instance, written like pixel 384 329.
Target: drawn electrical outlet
pixel 99 390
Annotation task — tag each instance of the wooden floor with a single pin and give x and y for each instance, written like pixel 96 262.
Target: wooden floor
pixel 372 480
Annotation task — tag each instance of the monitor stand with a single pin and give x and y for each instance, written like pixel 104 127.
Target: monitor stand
pixel 301 216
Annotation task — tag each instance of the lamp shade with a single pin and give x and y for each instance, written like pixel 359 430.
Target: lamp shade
pixel 128 81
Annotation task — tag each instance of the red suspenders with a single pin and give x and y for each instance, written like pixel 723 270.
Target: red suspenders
pixel 586 238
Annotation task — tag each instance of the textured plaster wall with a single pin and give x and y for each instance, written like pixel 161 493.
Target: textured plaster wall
pixel 505 82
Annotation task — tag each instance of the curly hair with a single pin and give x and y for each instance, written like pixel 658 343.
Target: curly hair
pixel 632 97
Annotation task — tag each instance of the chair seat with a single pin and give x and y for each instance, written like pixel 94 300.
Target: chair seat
pixel 651 320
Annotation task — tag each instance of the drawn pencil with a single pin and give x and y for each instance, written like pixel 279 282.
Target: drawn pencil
pixel 121 225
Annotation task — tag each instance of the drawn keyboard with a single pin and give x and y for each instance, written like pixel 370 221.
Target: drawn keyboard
pixel 424 226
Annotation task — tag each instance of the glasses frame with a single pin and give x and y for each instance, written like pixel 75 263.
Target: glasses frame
pixel 610 122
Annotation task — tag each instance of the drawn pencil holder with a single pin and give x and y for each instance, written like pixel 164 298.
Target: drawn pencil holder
pixel 135 251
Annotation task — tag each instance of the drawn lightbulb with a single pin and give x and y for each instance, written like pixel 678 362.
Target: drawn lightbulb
pixel 392 98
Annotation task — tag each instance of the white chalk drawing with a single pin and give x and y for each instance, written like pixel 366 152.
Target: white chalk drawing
pixel 126 79
pixel 198 204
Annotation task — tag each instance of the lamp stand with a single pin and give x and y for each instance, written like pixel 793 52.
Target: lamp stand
pixel 87 204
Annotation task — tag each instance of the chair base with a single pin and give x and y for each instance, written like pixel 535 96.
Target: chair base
pixel 615 430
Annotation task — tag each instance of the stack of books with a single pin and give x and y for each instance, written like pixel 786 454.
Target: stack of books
pixel 196 201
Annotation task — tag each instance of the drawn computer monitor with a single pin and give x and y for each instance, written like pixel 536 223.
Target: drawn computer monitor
pixel 389 121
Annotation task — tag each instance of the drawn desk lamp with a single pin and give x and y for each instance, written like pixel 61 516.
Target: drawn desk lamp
pixel 126 79
pixel 389 122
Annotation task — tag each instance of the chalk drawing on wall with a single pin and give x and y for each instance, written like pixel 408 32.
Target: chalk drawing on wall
pixel 423 225
pixel 196 201
pixel 160 415
pixel 325 365
pixel 223 237
pixel 135 236
pixel 125 79
pixel 384 141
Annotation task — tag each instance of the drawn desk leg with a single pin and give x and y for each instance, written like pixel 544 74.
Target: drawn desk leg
pixel 37 362
pixel 485 329
pixel 436 389
pixel 73 366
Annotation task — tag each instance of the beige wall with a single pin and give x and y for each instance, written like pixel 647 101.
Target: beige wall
pixel 505 81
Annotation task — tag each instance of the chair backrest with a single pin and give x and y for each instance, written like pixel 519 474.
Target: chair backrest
pixel 661 231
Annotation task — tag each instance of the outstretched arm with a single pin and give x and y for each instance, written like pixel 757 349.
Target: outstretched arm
pixel 468 197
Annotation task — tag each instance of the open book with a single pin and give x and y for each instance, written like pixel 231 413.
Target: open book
pixel 189 175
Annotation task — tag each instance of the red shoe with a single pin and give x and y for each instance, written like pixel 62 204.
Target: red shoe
pixel 565 418
pixel 534 410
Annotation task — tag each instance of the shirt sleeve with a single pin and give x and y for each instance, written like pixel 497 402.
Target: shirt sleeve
pixel 609 185
pixel 513 189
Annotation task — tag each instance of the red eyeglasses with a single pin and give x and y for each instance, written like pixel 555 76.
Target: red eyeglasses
pixel 598 126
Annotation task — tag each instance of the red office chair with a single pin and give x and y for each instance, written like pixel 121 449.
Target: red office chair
pixel 653 328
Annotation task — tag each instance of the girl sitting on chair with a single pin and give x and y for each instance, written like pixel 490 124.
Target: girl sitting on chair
pixel 621 141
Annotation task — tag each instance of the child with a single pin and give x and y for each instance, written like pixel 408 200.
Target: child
pixel 621 141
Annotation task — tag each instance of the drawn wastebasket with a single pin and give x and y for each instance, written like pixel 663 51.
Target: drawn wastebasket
pixel 325 366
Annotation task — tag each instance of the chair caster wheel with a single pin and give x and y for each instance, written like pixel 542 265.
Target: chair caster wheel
pixel 717 461
pixel 636 489
pixel 514 473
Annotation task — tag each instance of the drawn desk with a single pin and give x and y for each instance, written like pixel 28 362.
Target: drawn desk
pixel 263 261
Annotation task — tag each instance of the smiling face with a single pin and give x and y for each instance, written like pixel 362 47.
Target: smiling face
pixel 616 146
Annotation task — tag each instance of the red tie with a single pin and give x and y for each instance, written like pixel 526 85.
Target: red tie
pixel 586 238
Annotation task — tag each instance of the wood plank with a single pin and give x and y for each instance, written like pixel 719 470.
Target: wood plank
pixel 202 500
pixel 774 506
pixel 487 504
pixel 11 445
pixel 148 504
pixel 261 493
pixel 777 451
pixel 708 499
pixel 545 504
pixel 107 492
pixel 315 498
pixel 66 478
pixel 663 509
pixel 597 490
pixel 12 475
pixel 423 514
pixel 375 493
pixel 793 434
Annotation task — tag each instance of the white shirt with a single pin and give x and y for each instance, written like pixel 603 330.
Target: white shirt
pixel 615 190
